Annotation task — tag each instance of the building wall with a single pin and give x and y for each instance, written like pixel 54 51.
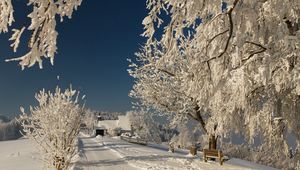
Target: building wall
pixel 123 123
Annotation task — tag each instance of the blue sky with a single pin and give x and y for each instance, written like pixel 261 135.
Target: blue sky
pixel 92 50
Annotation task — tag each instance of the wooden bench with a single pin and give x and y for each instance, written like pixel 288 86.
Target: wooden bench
pixel 211 153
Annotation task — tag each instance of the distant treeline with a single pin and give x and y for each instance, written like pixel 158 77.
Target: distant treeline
pixel 9 129
pixel 109 115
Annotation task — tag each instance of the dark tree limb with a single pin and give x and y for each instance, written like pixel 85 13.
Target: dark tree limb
pixel 167 72
pixel 214 37
pixel 201 120
pixel 229 14
pixel 230 30
pixel 262 49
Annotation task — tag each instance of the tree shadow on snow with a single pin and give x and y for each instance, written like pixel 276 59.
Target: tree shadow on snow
pixel 97 163
pixel 153 157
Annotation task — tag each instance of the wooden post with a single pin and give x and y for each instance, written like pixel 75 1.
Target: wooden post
pixel 220 157
pixel 204 155
pixel 193 150
pixel 171 147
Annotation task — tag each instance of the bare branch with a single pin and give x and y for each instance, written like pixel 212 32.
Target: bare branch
pixel 262 49
pixel 221 33
pixel 167 72
pixel 229 14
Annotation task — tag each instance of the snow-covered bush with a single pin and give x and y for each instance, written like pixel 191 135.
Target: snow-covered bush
pixel 114 131
pixel 189 135
pixel 54 125
pixel 166 132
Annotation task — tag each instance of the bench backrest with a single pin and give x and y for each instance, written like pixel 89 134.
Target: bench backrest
pixel 212 152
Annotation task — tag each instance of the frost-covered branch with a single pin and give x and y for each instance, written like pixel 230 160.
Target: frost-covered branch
pixel 6 15
pixel 16 38
pixel 43 38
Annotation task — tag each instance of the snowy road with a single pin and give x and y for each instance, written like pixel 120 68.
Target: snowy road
pixel 96 156
pixel 145 157
pixel 109 154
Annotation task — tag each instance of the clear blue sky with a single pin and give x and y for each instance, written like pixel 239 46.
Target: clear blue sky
pixel 92 50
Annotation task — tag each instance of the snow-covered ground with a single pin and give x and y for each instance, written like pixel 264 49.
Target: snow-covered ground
pixel 113 153
pixel 19 154
pixel 96 156
pixel 104 153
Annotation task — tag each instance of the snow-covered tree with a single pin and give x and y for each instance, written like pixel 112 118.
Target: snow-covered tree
pixel 159 86
pixel 54 125
pixel 229 64
pixel 185 138
pixel 89 120
pixel 43 38
pixel 144 125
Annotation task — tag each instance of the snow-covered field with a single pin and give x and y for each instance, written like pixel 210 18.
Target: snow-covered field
pixel 19 154
pixel 104 153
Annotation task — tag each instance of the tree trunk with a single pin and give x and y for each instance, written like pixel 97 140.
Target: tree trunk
pixel 212 142
pixel 59 163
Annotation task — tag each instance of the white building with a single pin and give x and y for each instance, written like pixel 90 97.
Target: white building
pixel 103 126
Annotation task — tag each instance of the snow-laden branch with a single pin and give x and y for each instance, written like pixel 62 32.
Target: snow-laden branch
pixel 6 15
pixel 43 38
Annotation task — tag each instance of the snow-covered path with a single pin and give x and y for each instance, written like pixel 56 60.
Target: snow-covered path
pixel 96 156
pixel 145 157
pixel 113 153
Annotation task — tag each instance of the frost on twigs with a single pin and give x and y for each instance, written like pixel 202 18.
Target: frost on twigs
pixel 54 125
pixel 16 38
pixel 6 15
pixel 42 43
